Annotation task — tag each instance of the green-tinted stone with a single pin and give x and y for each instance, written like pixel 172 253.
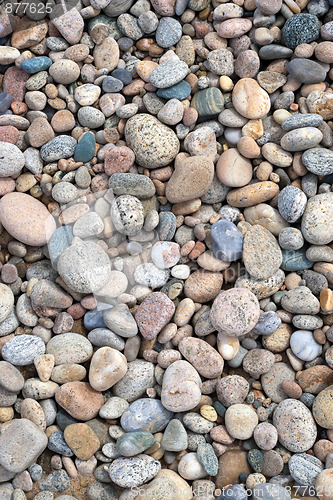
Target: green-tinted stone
pixel 85 150
pixel 208 459
pixel 198 5
pixel 133 443
pixel 37 81
pixel 208 102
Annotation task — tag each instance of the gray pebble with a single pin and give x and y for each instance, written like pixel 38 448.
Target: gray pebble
pixel 291 238
pixel 22 349
pixel 134 471
pixel 139 378
pixel 62 146
pixel 127 214
pixel 90 117
pixel 147 415
pixel 140 186
pixel 88 225
pixel 291 203
pixel 299 120
pixel 169 32
pixel 101 337
pixel 318 161
pixel 169 73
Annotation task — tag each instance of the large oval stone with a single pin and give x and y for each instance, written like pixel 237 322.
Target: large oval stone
pixel 26 219
pixel 250 100
pixel 11 159
pixel 154 144
pixel 107 367
pixel 317 221
pixel 191 179
pixel 181 388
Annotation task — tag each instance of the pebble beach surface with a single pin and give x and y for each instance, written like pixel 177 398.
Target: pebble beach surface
pixel 166 250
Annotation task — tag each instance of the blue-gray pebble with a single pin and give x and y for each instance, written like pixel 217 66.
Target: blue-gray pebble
pixel 268 323
pixel 300 28
pixel 291 203
pixel 227 241
pixel 147 415
pixel 318 161
pixel 169 32
pixel 298 120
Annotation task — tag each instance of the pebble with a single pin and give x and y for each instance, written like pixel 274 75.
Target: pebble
pixel 22 350
pixel 261 253
pixel 134 443
pixel 146 415
pixel 295 425
pixel 315 218
pixel 304 468
pixel 131 472
pixel 300 28
pixel 304 346
pixel 235 417
pixel 151 150
pixel 107 367
pixel 250 100
pixel 181 389
pixel 239 304
pixel 12 159
pixel 79 400
pixel 198 173
pixel 233 169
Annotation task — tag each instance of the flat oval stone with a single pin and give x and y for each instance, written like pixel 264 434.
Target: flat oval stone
pixel 304 345
pixel 299 120
pixel 154 144
pixel 235 311
pixel 318 161
pixel 202 356
pixel 191 179
pixel 301 138
pixel 317 221
pixel 26 219
pixel 80 400
pixel 315 379
pixel 137 185
pixel 253 194
pixel 69 348
pixel 304 468
pixel 107 367
pixel 292 202
pixel 134 471
pixel 127 214
pixel 250 100
pixel 62 146
pixel 133 443
pixel 147 415
pixel 22 349
pixel 11 159
pixel 181 388
pixel 85 267
pixel 272 380
pixel 295 425
pixel 11 378
pixel 208 102
pixel 233 169
pixel 261 252
pixel 139 378
pixel 169 73
pixel 306 71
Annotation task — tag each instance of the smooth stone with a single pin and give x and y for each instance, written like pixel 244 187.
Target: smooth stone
pixel 250 100
pixel 134 471
pixel 120 321
pixel 235 311
pixel 190 180
pixel 134 443
pixel 300 300
pixel 304 468
pixel 299 120
pixel 318 161
pixel 136 185
pixel 181 388
pixel 69 348
pixel 322 408
pixel 233 169
pixel 36 64
pixel 113 408
pixel 169 73
pixel 60 147
pixel 127 214
pixel 11 378
pixel 107 367
pixel 268 323
pixel 291 202
pixel 57 481
pixel 174 437
pixel 85 267
pixel 272 380
pixel 190 468
pixel 301 139
pixel 85 149
pixel 153 314
pixel 21 443
pixel 59 242
pixel 58 444
pixel 154 144
pixel 235 417
pixel 252 194
pixel 306 71
pixel 80 400
pixel 22 349
pixel 316 226
pixel 295 260
pixel 261 252
pixel 304 346
pixel 139 378
pixel 147 415
pixel 202 356
pixel 9 324
pixel 11 160
pixel 26 219
pixel 295 425
pixel 82 440
pixel 180 90
pixel 208 102
pixel 169 32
